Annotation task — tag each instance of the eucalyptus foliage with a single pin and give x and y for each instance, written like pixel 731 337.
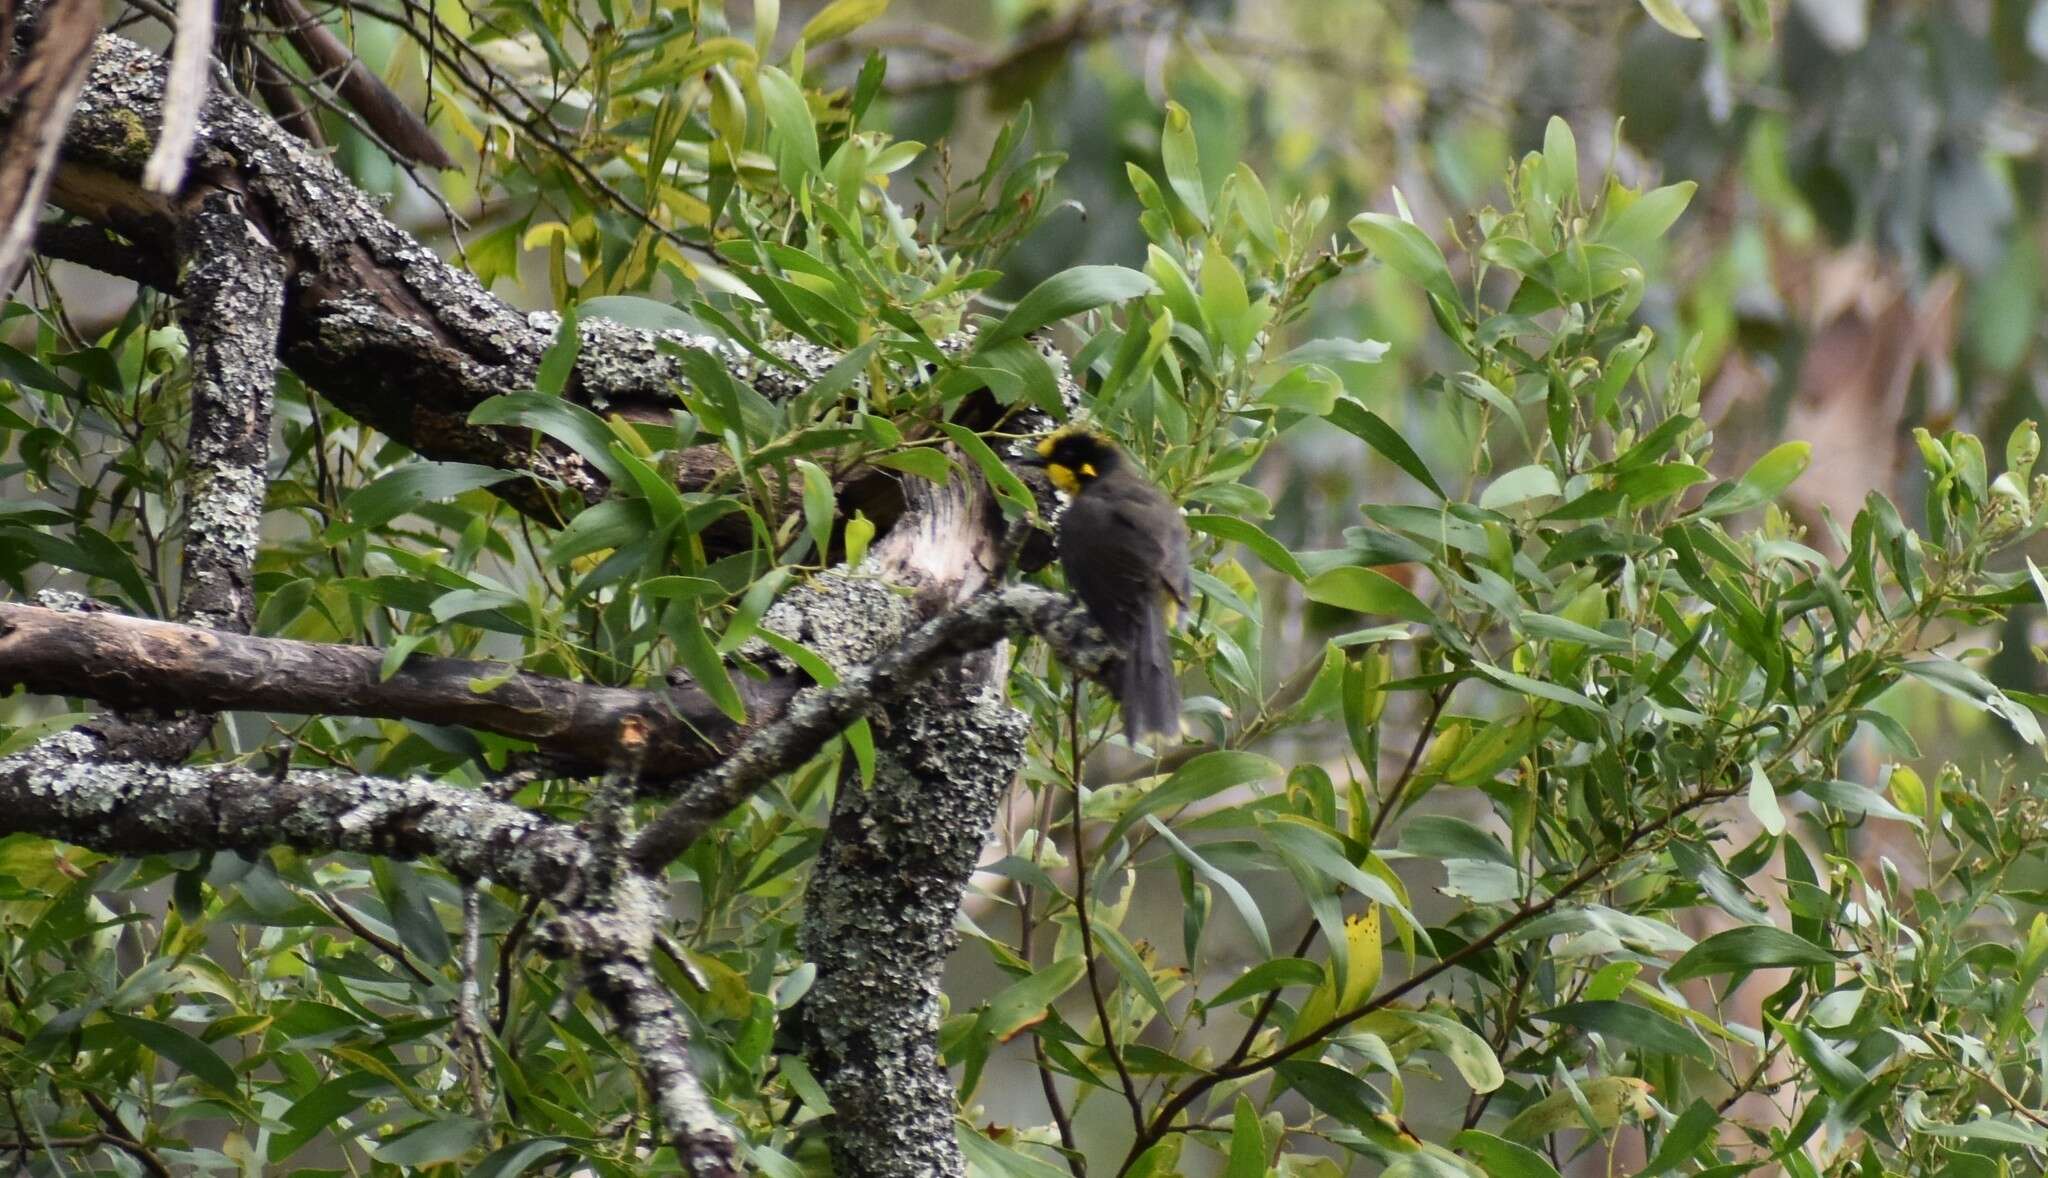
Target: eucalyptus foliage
pixel 1565 804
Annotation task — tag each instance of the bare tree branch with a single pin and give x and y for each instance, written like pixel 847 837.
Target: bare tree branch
pixel 43 84
pixel 132 662
pixel 395 123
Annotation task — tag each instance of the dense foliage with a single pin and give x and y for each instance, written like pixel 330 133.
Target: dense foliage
pixel 1569 807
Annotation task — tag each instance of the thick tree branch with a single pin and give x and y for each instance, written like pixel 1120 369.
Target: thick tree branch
pixel 65 788
pixel 233 299
pixel 880 907
pixel 133 662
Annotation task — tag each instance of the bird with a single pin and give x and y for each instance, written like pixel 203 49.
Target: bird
pixel 1124 548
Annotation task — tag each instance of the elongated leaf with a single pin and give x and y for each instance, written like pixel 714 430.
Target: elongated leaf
pixel 1501 1158
pixel 1240 899
pixel 1672 17
pixel 1368 592
pixel 1229 527
pixel 1635 1025
pixel 1023 1002
pixel 1070 292
pixel 1409 251
pixel 1375 432
pixel 565 421
pixel 1746 948
pixel 398 492
pixel 1199 779
pixel 179 1047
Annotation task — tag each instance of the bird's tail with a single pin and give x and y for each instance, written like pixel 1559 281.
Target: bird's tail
pixel 1151 693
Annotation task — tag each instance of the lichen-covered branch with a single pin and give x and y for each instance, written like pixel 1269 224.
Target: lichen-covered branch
pixel 880 906
pixel 613 943
pixel 131 663
pixel 66 788
pixel 821 714
pixel 232 304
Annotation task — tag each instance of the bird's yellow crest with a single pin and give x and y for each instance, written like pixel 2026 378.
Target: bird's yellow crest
pixel 1065 475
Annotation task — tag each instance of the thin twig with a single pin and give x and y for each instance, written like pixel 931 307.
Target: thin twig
pixel 1087 924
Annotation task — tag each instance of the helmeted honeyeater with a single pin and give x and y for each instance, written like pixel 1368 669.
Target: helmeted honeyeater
pixel 1124 547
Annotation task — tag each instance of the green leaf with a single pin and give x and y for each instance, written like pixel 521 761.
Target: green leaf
pixel 1560 161
pixel 1023 1002
pixel 1501 1158
pixel 1762 483
pixel 922 461
pixel 1001 479
pixel 1746 948
pixel 181 1048
pixel 1656 1034
pixel 986 1159
pixel 1204 777
pixel 408 487
pixel 1247 1143
pixel 821 505
pixel 1277 974
pixel 1638 227
pixel 1409 251
pixel 1069 292
pixel 1536 687
pixel 791 130
pixel 1228 527
pixel 1462 1045
pixel 694 649
pixel 1763 802
pixel 1672 17
pixel 1519 486
pixel 1368 592
pixel 1333 1091
pixel 510 1161
pixel 1183 167
pixel 559 362
pixel 565 421
pixel 1444 836
pixel 1240 899
pixel 1694 1128
pixel 1309 389
pixel 644 313
pixel 1349 415
pixel 432 1142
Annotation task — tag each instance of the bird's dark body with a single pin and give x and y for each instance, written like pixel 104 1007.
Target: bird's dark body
pixel 1124 549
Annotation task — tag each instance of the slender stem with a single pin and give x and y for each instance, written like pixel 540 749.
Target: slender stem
pixel 1087 925
pixel 1077 1165
pixel 1437 700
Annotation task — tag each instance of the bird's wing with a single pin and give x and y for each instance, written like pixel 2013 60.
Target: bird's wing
pixel 1118 563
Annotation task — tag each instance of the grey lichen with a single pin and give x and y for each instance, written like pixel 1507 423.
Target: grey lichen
pixel 64 787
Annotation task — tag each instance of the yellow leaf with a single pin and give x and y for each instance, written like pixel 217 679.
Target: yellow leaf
pixel 840 18
pixel 1362 935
